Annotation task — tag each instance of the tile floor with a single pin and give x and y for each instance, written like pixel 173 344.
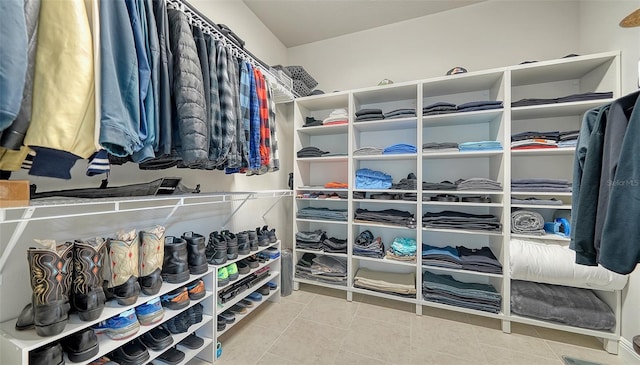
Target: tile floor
pixel 316 325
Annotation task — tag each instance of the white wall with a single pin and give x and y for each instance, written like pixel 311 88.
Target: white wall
pixel 481 36
pixel 599 31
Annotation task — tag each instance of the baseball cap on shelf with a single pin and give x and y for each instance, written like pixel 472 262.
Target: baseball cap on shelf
pixel 457 70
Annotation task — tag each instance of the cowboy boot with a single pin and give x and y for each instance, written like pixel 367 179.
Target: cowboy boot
pixel 151 258
pixel 51 279
pixel 122 268
pixel 175 268
pixel 196 253
pixel 87 294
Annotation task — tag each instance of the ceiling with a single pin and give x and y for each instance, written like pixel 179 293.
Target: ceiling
pixel 297 22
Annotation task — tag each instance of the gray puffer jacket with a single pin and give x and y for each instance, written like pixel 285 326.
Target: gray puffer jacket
pixel 190 118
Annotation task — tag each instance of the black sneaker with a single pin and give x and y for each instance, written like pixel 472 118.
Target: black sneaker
pixel 192 342
pixel 228 316
pixel 243 267
pixel 172 356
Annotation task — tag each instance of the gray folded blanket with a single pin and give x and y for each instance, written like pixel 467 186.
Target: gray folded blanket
pixel 527 222
pixel 562 304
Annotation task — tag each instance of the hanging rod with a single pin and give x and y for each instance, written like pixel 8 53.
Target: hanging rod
pixel 204 22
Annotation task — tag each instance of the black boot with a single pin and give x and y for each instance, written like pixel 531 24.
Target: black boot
pixel 81 346
pixel 151 259
pixel 87 295
pixel 232 244
pixel 50 354
pixel 175 268
pixel 51 279
pixel 216 250
pixel 244 245
pixel 196 253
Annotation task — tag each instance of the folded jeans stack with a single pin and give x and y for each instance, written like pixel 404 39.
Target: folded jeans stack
pixel 311 152
pixel 386 282
pixel 478 183
pixel 479 105
pixel 400 113
pixel 540 184
pixel 402 249
pixel 364 115
pixel 439 108
pixel 480 146
pixel 461 220
pixel 322 268
pixel 371 179
pixel 435 147
pixel 323 213
pixel 400 148
pixel 445 289
pixel 368 246
pixel 310 240
pixel 386 216
pixel 334 245
pixel 527 222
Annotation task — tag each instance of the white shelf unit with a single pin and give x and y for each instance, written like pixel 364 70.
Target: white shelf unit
pixel 177 213
pixel 549 79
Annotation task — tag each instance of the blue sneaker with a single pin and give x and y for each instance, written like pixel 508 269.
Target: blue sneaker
pixel 150 312
pixel 119 327
pixel 255 296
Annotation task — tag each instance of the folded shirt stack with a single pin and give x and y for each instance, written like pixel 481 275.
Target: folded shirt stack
pixel 400 113
pixel 568 139
pixel 311 152
pixel 322 268
pixel 386 282
pixel 365 151
pixel 444 185
pixel 445 289
pixel 408 183
pixel 386 216
pixel 564 99
pixel 368 246
pixel 540 184
pixel 439 108
pixel 337 116
pixel 527 222
pixel 372 179
pixel 399 148
pixel 478 183
pixel 479 105
pixel 480 146
pixel 434 147
pixel 402 249
pixel 364 115
pixel 336 185
pixel 460 220
pixel 447 257
pixel 482 260
pixel 536 201
pixel 323 213
pixel 334 245
pixel 310 240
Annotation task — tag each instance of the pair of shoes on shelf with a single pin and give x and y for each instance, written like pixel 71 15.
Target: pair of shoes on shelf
pixel 184 320
pixel 80 346
pixel 179 298
pixel 266 236
pixel 227 274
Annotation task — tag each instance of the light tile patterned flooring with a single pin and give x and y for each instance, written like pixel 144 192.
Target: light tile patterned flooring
pixel 316 325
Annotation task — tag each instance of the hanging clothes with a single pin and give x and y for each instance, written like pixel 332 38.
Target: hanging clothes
pixel 215 117
pixel 254 128
pixel 234 161
pixel 165 77
pixel 246 73
pixel 223 130
pixel 265 134
pixel 274 163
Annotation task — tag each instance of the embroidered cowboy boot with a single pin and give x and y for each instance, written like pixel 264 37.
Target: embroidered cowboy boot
pixel 122 268
pixel 87 294
pixel 151 258
pixel 51 278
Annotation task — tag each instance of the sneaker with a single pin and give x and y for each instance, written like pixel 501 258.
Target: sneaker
pixel 119 327
pixel 264 290
pixel 252 261
pixel 238 309
pixel 192 342
pixel 272 285
pixel 253 240
pixel 150 312
pixel 195 313
pixel 228 316
pixel 263 238
pixel 176 299
pixel 246 303
pixel 223 276
pixel 255 296
pixel 243 267
pixel 196 289
pixel 179 323
pixel 232 270
pixel 222 324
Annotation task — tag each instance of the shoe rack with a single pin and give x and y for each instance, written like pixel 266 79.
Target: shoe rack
pixel 547 79
pixel 71 219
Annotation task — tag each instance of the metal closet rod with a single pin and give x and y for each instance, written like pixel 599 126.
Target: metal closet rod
pixel 195 13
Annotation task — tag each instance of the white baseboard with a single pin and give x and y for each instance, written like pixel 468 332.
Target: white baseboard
pixel 627 353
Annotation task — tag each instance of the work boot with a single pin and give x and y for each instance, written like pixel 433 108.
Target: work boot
pixel 232 244
pixel 175 268
pixel 216 250
pixel 122 268
pixel 244 245
pixel 197 257
pixel 263 238
pixel 151 259
pixel 87 293
pixel 253 240
pixel 51 278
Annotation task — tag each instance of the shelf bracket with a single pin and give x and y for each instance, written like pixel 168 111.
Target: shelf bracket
pixel 272 206
pixel 173 211
pixel 15 237
pixel 224 225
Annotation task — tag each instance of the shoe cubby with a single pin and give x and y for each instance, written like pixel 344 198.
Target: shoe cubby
pixel 451 112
